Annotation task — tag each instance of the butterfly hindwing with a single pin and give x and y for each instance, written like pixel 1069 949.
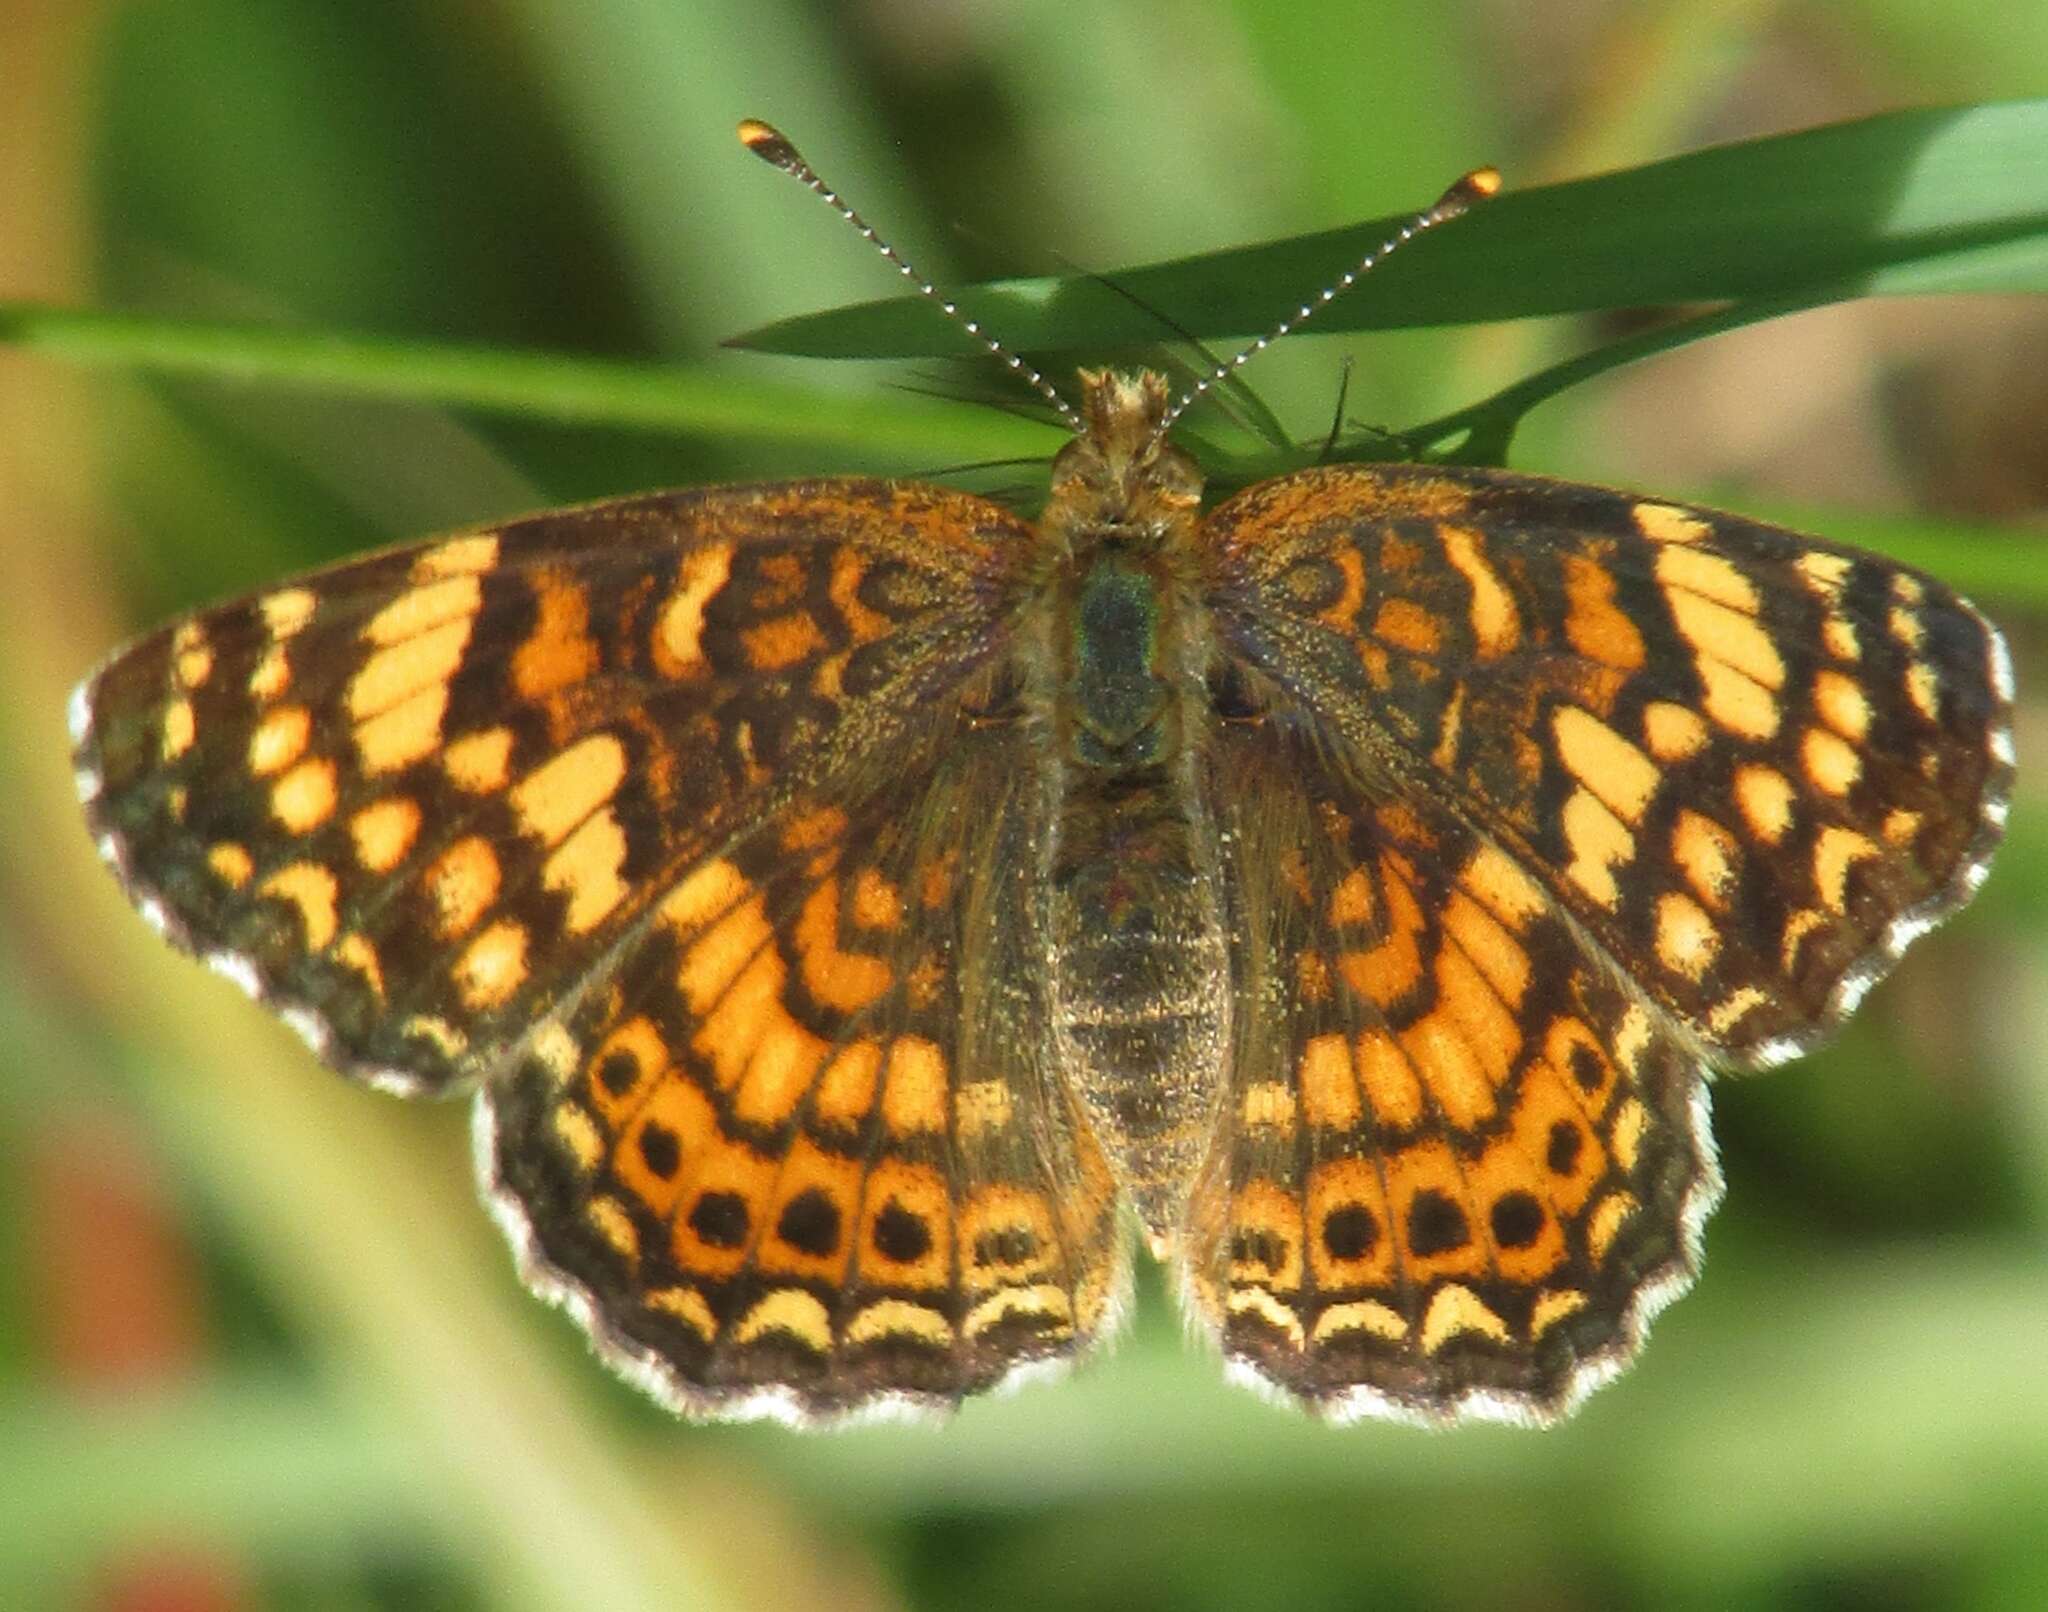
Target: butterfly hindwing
pixel 1462 1162
pixel 802 1151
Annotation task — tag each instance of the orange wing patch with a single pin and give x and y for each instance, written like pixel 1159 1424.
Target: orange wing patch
pixel 1501 1174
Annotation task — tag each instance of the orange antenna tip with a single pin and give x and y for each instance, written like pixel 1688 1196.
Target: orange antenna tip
pixel 768 143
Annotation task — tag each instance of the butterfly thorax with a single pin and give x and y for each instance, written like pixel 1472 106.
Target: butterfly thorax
pixel 1140 975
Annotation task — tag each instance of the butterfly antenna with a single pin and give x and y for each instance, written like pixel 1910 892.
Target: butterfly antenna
pixel 1474 188
pixel 772 146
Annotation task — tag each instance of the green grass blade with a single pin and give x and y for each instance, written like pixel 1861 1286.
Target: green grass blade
pixel 1920 201
pixel 550 386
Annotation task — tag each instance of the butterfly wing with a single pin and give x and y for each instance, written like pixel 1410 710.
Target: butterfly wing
pixel 1463 1161
pixel 1751 764
pixel 409 800
pixel 802 1153
pixel 508 804
pixel 1596 790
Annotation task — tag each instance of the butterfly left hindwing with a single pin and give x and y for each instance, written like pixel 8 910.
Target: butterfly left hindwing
pixel 802 1147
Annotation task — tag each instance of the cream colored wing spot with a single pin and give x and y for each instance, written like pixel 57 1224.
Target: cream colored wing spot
pixel 1362 1315
pixel 490 972
pixel 1714 606
pixel 556 1051
pixel 1673 732
pixel 899 1318
pixel 429 609
pixel 306 797
pixel 409 731
pixel 790 1312
pixel 1707 854
pixel 1553 1306
pixel 271 675
pixel 1042 1302
pixel 688 1306
pixel 384 832
pixel 1687 939
pixel 279 739
pixel 1599 842
pixel 287 611
pixel 471 554
pixel 191 655
pixel 394 674
pixel 314 891
pixel 1615 771
pixel 231 863
pixel 678 643
pixel 1496 622
pixel 1666 523
pixel 479 763
pixel 1734 1008
pixel 1609 1215
pixel 588 867
pixel 354 951
pixel 567 788
pixel 1765 800
pixel 1923 691
pixel 1842 704
pixel 462 885
pixel 1835 852
pixel 1263 1306
pixel 1825 574
pixel 1803 922
pixel 1508 892
pixel 180 728
pixel 1455 1309
pixel 1830 765
pixel 608 1217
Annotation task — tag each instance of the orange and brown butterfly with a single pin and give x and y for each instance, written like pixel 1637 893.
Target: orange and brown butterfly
pixel 854 905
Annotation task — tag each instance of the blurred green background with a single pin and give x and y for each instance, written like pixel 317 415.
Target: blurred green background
pixel 259 1347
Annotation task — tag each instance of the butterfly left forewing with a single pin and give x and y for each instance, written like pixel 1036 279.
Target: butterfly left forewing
pixel 411 800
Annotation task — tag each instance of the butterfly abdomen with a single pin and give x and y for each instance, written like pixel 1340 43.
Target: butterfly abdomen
pixel 1140 969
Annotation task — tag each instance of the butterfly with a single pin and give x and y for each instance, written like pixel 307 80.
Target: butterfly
pixel 862 913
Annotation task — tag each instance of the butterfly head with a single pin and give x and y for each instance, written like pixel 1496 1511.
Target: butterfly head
pixel 1120 474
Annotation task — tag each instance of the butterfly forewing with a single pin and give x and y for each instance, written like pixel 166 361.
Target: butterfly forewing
pixel 1750 764
pixel 415 799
